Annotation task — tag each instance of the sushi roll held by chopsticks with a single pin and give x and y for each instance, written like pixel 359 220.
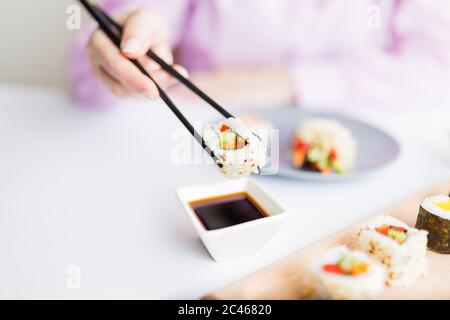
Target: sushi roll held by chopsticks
pixel 239 151
pixel 400 248
pixel 343 274
pixel 434 216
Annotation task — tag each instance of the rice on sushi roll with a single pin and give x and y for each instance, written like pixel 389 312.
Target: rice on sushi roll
pixel 239 151
pixel 345 275
pixel 323 145
pixel 400 248
pixel 260 126
pixel 434 216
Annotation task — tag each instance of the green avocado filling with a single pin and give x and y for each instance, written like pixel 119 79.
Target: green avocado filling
pixel 397 235
pixel 230 140
pixel 322 159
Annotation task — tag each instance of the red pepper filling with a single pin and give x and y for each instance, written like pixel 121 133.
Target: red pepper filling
pixel 347 266
pixel 399 234
pixel 331 268
pixel 306 155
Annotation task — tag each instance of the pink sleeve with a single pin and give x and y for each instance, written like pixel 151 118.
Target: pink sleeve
pixel 85 88
pixel 411 65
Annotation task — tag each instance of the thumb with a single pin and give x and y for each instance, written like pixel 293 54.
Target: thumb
pixel 143 29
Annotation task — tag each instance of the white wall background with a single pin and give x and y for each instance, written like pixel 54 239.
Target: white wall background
pixel 34 41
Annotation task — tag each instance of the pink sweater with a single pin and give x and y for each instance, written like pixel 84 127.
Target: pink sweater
pixel 339 52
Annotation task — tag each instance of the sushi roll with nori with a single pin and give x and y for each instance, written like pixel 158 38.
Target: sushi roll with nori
pixel 400 248
pixel 434 216
pixel 344 274
pixel 238 150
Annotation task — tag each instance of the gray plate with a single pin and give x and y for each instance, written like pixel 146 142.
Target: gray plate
pixel 375 149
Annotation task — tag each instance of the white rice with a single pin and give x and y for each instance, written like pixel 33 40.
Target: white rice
pixel 326 285
pixel 261 127
pixel 429 205
pixel 404 262
pixel 241 162
pixel 329 134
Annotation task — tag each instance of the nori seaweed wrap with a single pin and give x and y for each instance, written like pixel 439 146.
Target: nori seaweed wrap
pixel 434 216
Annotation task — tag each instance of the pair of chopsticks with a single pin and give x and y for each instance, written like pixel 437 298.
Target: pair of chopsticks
pixel 114 32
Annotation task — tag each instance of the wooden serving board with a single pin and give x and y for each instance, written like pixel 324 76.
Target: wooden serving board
pixel 285 279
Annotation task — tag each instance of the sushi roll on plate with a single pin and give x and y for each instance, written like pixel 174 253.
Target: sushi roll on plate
pixel 344 274
pixel 400 248
pixel 434 216
pixel 239 151
pixel 323 145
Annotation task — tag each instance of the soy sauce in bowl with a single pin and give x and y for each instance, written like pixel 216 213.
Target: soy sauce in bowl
pixel 227 210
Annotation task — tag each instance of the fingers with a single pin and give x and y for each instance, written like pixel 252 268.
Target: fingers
pixel 112 84
pixel 165 80
pixel 110 59
pixel 142 30
pixel 117 88
pixel 145 30
pixel 163 51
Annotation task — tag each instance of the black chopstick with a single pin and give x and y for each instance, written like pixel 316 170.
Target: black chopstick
pixel 115 36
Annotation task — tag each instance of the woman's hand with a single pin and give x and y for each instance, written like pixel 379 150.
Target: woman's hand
pixel 143 30
pixel 250 87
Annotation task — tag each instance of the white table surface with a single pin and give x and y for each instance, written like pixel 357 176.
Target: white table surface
pixel 89 189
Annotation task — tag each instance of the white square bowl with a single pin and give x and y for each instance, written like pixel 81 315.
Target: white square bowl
pixel 238 240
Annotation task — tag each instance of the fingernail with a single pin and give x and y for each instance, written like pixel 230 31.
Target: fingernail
pixel 150 95
pixel 184 73
pixel 131 46
pixel 166 55
pixel 151 65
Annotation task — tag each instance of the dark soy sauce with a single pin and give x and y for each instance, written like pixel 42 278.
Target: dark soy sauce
pixel 227 210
